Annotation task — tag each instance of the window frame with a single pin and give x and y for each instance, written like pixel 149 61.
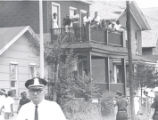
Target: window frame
pixel 16 74
pixel 35 70
pixel 59 16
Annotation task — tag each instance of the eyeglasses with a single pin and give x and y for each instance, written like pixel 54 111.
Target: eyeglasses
pixel 36 90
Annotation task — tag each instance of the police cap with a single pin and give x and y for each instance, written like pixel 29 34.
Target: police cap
pixel 35 83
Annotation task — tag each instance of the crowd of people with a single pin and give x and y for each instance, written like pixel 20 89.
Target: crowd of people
pixel 74 22
pixel 36 107
pixel 7 104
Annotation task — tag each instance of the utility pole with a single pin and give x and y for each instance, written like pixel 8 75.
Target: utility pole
pixel 41 39
pixel 128 25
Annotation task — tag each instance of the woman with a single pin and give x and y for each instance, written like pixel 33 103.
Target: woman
pixel 155 105
pixel 122 107
pixel 55 23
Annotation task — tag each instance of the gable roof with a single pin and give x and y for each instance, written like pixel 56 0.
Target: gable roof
pixel 149 38
pixel 116 10
pixel 109 10
pixel 9 35
pixel 137 15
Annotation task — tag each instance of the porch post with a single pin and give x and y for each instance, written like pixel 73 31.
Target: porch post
pixel 90 68
pixel 108 73
pixel 124 74
pixel 106 37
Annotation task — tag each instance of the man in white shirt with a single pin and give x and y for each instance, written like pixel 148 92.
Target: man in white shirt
pixel 39 108
pixel 2 101
pixel 76 24
pixel 96 20
pixel 86 23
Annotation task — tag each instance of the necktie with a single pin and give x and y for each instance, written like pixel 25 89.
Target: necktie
pixel 36 112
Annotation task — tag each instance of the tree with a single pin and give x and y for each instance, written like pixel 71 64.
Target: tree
pixel 66 82
pixel 145 76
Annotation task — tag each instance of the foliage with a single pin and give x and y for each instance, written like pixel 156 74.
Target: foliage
pixel 66 82
pixel 107 103
pixel 79 109
pixel 145 76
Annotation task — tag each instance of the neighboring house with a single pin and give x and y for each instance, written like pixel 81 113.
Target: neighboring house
pixel 19 59
pixel 150 38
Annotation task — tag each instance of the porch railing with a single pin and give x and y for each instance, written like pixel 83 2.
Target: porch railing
pixel 89 34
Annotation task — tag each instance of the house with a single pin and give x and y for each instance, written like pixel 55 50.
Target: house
pixel 19 58
pixel 103 53
pixel 150 43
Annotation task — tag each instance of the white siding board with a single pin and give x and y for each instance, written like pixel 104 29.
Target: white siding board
pixel 21 61
pixel 4 84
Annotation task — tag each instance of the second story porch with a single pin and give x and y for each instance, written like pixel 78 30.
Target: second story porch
pixel 90 34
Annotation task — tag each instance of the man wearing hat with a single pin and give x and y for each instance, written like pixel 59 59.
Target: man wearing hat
pixel 39 108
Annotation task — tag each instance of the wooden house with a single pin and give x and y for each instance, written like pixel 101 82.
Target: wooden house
pixel 103 53
pixel 19 58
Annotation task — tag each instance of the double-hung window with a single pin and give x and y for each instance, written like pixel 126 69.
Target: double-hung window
pixel 34 70
pixel 13 74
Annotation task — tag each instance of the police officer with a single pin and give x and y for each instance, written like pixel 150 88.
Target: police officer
pixel 39 108
pixel 122 107
pixel 155 104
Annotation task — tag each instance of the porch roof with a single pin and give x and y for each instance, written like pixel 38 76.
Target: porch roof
pixel 143 59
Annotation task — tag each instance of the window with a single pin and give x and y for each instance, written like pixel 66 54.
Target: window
pixel 99 70
pixel 33 68
pixel 71 11
pixel 13 74
pixel 56 9
pixel 118 74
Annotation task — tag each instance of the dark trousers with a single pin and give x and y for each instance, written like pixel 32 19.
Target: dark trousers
pixel 121 115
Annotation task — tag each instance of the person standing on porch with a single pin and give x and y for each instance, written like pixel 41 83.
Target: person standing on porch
pixel 76 24
pixel 86 24
pixel 39 108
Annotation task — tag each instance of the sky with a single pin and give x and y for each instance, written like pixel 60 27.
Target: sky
pixel 147 3
pixel 141 3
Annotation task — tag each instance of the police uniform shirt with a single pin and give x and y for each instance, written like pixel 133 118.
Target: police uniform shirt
pixel 47 110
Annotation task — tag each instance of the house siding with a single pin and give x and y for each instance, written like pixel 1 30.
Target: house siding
pixel 135 42
pixel 23 57
pixel 24 13
pixel 19 13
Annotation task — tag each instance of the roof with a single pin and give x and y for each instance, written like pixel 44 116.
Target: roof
pixel 114 10
pixel 107 9
pixel 9 35
pixel 137 15
pixel 143 59
pixel 85 1
pixel 149 38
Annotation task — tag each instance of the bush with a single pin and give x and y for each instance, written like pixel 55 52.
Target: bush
pixel 80 109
